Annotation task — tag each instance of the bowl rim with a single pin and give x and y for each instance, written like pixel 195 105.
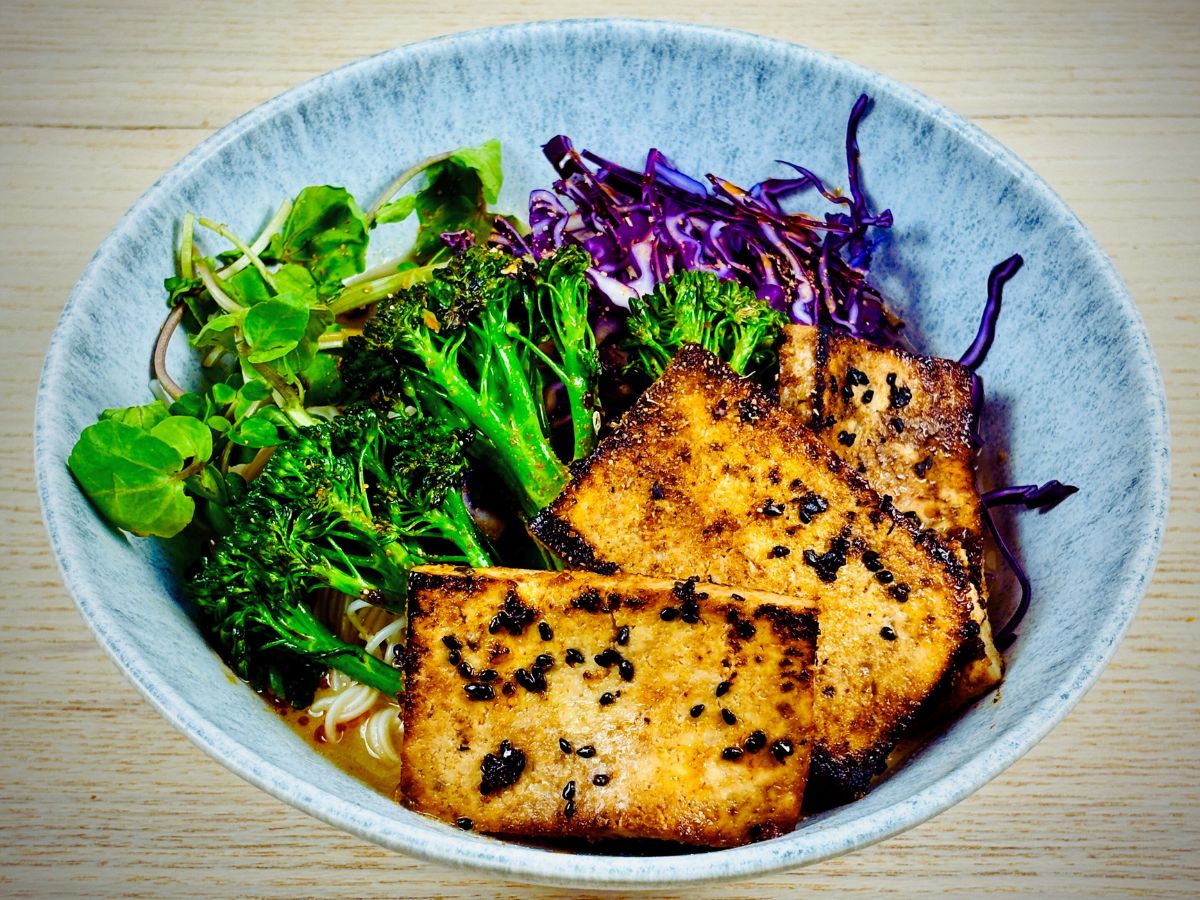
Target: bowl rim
pixel 516 861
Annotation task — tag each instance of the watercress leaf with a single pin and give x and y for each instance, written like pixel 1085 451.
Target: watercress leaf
pixel 219 424
pixel 143 417
pixel 274 328
pixel 191 404
pixel 189 436
pixel 255 431
pixel 178 288
pixel 215 327
pixel 133 478
pixel 484 160
pixel 397 210
pixel 324 381
pixel 452 201
pixel 246 286
pixel 326 233
pixel 295 283
pixel 223 394
pixel 253 391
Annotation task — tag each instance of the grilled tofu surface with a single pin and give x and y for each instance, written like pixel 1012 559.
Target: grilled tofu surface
pixel 706 475
pixel 902 421
pixel 576 704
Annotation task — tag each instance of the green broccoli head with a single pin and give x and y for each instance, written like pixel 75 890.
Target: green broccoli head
pixel 349 505
pixel 720 315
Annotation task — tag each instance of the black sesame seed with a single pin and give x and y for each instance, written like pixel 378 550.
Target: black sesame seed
pixel 495 625
pixel 782 749
pixel 723 688
pixel 656 491
pixel 574 657
pixel 534 681
pixel 732 754
pixel 542 662
pixel 885 577
pixel 696 710
pixel 625 667
pixel 669 614
pixel 899 397
pixel 690 612
pixel 897 425
pixel 502 769
pixel 451 642
pixel 900 592
pixel 887 633
pixel 623 635
pixel 867 396
pixel 891 378
pixel 587 751
pixel 847 392
pixel 479 691
pixel 846 438
pixel 466 670
pixel 607 657
pixel 856 376
pixel 487 676
pixel 871 560
pixel 600 779
pixel 564 745
pixel 607 699
pixel 754 742
pixel 455 657
pixel 746 630
pixel 569 809
pixel 729 717
pixel 568 792
pixel 464 823
pixel 772 509
pixel 545 631
pixel 922 468
pixel 779 551
pixel 508 689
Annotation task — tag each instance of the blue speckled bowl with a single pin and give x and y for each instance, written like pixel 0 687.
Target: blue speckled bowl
pixel 1072 383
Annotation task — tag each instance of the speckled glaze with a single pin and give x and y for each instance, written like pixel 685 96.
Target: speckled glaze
pixel 1073 389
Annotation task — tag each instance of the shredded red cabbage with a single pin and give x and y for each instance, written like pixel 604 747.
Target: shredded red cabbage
pixel 642 227
pixel 999 276
pixel 1045 498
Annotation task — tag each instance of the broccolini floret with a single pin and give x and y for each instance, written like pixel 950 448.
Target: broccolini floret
pixel 477 344
pixel 351 506
pixel 722 316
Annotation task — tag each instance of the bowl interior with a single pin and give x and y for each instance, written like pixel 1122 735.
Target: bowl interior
pixel 1073 391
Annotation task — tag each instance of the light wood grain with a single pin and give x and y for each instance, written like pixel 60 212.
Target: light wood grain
pixel 98 796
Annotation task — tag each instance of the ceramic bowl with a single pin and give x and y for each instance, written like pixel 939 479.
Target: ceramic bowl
pixel 1073 389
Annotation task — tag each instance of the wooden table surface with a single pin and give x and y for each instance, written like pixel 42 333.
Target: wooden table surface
pixel 98 97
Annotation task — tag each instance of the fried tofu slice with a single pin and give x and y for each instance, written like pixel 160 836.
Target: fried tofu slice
pixel 706 475
pixel 904 422
pixel 571 704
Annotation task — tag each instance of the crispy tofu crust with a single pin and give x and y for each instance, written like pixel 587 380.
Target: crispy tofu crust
pixel 910 417
pixel 707 475
pixel 666 769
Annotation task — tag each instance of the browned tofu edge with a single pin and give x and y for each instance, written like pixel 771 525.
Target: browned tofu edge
pixel 832 779
pixel 804 360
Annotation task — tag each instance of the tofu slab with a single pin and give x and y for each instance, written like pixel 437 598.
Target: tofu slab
pixel 694 725
pixel 903 421
pixel 707 476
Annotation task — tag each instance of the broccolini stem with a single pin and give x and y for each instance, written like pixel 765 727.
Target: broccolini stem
pixel 310 638
pixel 458 526
pixel 534 473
